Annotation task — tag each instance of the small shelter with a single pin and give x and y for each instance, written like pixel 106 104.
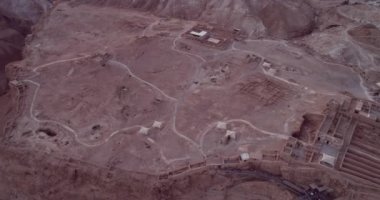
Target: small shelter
pixel 221 125
pixel 213 40
pixel 359 106
pixel 230 134
pixel 244 156
pixel 157 125
pixel 200 34
pixel 328 160
pixel 144 131
pixel 267 64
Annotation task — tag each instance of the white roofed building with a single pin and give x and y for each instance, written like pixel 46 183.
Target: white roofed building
pixel 230 134
pixel 244 156
pixel 328 160
pixel 267 64
pixel 213 40
pixel 200 34
pixel 221 125
pixel 144 131
pixel 157 124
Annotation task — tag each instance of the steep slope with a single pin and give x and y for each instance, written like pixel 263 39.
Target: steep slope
pixel 16 18
pixel 283 19
pixel 288 19
pixel 11 42
pixel 24 10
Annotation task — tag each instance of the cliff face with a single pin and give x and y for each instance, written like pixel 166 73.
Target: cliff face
pixel 16 18
pixel 11 42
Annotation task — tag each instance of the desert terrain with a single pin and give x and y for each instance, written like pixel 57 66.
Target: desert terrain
pixel 177 99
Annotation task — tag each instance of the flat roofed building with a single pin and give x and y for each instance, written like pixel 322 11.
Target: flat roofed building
pixel 328 160
pixel 230 134
pixel 213 40
pixel 157 124
pixel 221 125
pixel 244 156
pixel 267 64
pixel 144 131
pixel 359 106
pixel 199 34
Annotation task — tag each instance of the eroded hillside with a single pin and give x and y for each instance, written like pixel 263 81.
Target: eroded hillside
pixel 16 19
pixel 282 19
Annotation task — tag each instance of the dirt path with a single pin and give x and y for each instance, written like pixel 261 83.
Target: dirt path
pixel 175 101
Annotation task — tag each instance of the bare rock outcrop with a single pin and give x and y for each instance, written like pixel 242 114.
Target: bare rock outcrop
pixel 288 19
pixel 24 10
pixel 283 19
pixel 11 43
pixel 16 18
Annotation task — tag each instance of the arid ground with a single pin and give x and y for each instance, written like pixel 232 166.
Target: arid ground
pixel 112 94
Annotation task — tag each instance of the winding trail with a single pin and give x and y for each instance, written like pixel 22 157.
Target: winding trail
pixel 311 91
pixel 116 63
pixel 282 136
pixel 272 134
pixel 67 127
pixel 35 70
pixel 150 27
pixel 174 128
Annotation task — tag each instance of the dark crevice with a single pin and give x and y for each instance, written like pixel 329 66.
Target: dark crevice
pixel 12 41
pixel 48 132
